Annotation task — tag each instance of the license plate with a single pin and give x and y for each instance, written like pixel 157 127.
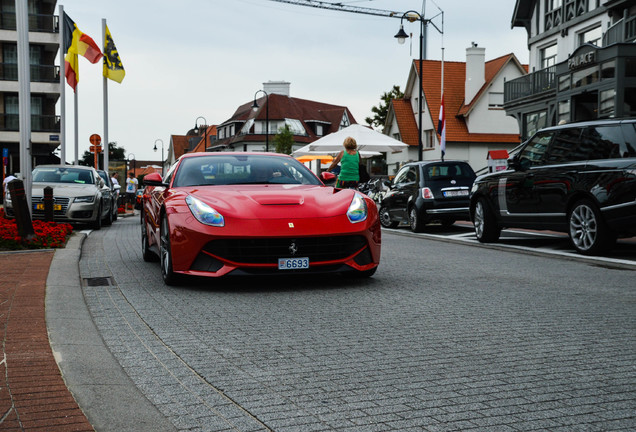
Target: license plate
pixel 456 193
pixel 56 207
pixel 293 263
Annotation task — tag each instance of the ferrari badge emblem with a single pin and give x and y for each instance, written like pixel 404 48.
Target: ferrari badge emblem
pixel 293 249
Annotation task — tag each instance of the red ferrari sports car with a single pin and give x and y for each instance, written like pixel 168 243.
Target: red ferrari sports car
pixel 217 214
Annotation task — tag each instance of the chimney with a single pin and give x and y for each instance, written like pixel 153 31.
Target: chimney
pixel 278 87
pixel 475 71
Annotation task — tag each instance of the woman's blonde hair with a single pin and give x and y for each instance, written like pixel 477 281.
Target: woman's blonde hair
pixel 350 143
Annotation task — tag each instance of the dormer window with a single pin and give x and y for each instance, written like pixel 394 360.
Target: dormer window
pixel 344 122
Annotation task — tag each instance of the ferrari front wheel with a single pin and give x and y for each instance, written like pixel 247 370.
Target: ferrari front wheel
pixel 169 277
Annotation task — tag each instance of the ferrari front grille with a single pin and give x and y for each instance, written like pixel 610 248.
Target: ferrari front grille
pixel 268 250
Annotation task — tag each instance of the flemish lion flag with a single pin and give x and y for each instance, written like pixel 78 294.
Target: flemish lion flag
pixel 113 67
pixel 75 42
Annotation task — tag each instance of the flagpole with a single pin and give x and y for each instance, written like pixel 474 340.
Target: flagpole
pixel 62 89
pixel 76 119
pixel 105 86
pixel 443 152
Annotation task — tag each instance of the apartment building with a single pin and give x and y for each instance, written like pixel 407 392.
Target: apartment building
pixel 582 62
pixel 45 82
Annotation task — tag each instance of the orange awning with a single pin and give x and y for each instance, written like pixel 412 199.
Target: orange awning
pixel 323 158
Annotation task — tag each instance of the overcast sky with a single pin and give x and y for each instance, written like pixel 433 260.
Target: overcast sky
pixel 191 58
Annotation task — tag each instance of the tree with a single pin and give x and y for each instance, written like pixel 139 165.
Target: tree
pixel 284 140
pixel 114 153
pixel 380 111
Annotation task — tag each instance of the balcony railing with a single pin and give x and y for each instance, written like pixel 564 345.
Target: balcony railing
pixel 531 84
pixel 39 73
pixel 623 31
pixel 37 22
pixel 39 123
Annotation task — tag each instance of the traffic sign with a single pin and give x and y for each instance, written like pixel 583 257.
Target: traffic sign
pixel 95 140
pixel 94 149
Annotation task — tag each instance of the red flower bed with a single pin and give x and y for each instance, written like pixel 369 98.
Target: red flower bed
pixel 47 235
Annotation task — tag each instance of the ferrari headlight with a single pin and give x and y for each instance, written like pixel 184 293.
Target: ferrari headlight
pixel 85 199
pixel 204 213
pixel 357 211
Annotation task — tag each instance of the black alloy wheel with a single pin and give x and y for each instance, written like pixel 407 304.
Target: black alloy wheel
pixel 385 218
pixel 169 277
pixel 588 233
pixel 486 228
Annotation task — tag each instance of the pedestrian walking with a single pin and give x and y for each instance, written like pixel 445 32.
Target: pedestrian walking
pixel 132 184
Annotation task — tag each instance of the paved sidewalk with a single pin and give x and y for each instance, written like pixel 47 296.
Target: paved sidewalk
pixel 33 395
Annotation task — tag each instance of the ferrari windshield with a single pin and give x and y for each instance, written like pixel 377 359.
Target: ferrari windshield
pixel 223 169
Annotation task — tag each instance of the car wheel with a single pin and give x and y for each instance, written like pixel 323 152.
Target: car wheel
pixel 588 233
pixel 97 224
pixel 115 213
pixel 169 277
pixel 108 221
pixel 486 228
pixel 147 254
pixel 416 222
pixel 385 218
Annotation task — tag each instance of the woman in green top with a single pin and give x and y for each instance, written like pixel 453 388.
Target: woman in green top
pixel 349 160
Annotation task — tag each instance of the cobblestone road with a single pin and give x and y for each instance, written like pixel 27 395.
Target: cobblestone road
pixel 444 337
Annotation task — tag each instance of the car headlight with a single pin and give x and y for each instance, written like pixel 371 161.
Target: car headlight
pixel 204 213
pixel 357 211
pixel 85 199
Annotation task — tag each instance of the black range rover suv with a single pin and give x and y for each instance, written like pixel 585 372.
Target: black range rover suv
pixel 578 178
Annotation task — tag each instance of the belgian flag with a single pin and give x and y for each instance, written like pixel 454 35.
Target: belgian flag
pixel 75 42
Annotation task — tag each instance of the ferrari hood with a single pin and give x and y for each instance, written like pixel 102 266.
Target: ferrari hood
pixel 276 201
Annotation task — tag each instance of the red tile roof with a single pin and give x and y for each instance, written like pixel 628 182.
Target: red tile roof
pixel 406 121
pixel 200 147
pixel 454 87
pixel 281 107
pixel 179 145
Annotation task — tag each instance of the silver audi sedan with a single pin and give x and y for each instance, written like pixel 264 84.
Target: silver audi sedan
pixel 77 195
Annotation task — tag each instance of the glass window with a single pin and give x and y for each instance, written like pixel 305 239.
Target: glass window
pixel 246 127
pixel 564 111
pixel 532 153
pixel 295 126
pixel 495 100
pixel 564 146
pixel 564 82
pixel 548 56
pixel 585 76
pixel 629 101
pixel 592 36
pixel 608 70
pixel 606 108
pixel 630 67
pixel 601 142
pixel 534 122
pixel 401 176
pixel 628 146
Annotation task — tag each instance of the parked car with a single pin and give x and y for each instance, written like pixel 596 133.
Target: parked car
pixel 428 191
pixel 218 214
pixel 578 178
pixel 109 189
pixel 77 195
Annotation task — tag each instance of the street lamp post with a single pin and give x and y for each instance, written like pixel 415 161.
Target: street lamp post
pixel 155 149
pixel 255 107
pixel 401 36
pixel 134 164
pixel 205 132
